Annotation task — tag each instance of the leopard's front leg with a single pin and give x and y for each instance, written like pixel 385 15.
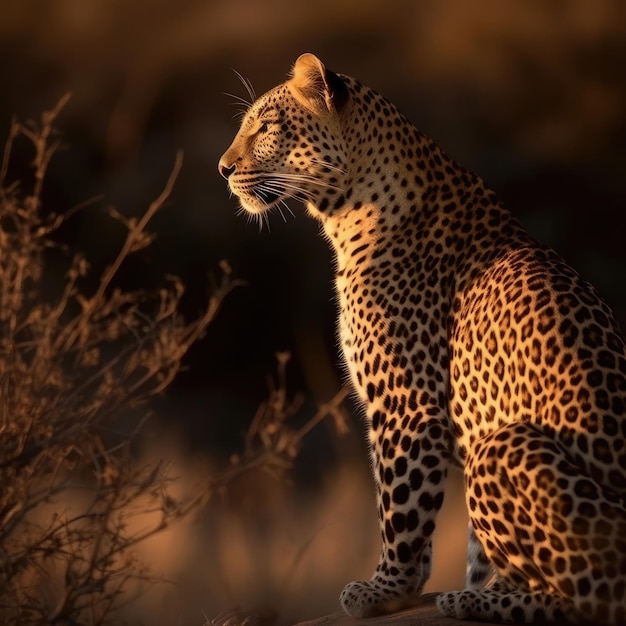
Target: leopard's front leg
pixel 410 469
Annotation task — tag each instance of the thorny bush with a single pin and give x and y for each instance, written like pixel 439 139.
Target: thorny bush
pixel 68 365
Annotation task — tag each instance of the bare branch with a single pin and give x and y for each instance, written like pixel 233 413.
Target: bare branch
pixel 67 366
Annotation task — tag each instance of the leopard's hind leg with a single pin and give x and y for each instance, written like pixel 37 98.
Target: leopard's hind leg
pixel 479 571
pixel 556 537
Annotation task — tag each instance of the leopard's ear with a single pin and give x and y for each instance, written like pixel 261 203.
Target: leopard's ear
pixel 314 85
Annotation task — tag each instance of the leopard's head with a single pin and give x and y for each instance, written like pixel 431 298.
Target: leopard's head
pixel 290 143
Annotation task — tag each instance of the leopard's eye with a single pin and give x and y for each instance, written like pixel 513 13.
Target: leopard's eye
pixel 265 125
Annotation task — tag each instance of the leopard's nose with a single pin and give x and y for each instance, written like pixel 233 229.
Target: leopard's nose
pixel 225 170
pixel 226 167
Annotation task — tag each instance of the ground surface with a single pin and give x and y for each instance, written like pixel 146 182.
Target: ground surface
pixel 423 614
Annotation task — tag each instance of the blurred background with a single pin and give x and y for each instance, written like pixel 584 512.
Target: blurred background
pixel 529 93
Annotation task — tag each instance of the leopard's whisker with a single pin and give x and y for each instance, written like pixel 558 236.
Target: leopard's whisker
pixel 280 210
pixel 247 84
pixel 302 178
pixel 330 166
pixel 287 207
pixel 238 100
pixel 283 187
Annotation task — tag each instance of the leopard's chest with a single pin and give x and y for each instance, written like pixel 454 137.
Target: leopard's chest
pixel 361 330
pixel 394 345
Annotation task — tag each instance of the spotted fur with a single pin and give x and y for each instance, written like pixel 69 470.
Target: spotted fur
pixel 469 344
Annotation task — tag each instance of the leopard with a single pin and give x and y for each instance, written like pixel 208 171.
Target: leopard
pixel 470 347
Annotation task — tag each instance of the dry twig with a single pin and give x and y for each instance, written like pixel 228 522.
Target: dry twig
pixel 68 365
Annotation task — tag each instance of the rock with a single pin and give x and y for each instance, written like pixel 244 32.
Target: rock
pixel 422 613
